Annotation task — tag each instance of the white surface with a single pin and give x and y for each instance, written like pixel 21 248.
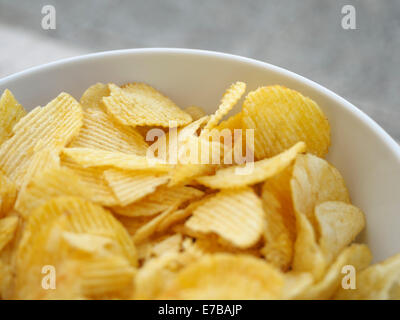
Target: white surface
pixel 368 158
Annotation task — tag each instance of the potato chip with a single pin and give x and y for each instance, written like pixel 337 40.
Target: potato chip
pixel 339 223
pixel 231 177
pixel 53 126
pixel 94 181
pixel 195 112
pixel 308 256
pixel 99 158
pixel 100 131
pixel 133 224
pixel 44 159
pixel 276 192
pixel 165 220
pixel 212 278
pixel 155 275
pixel 8 225
pixel 233 122
pixel 138 104
pixel 235 215
pixel 8 194
pixel 10 113
pixel 230 98
pixel 278 247
pixel 169 244
pixel 315 181
pixel 159 201
pixel 296 283
pixel 42 244
pixel 282 117
pixel 357 255
pixel 377 282
pixel 106 275
pixel 93 96
pixel 50 184
pixel 130 186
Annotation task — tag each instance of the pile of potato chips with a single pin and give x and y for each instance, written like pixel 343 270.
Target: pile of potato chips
pixel 85 213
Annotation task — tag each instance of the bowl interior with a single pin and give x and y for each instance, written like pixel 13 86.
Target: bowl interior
pixel 366 156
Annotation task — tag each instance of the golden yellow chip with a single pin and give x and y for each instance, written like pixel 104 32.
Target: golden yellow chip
pixel 8 225
pixel 278 247
pixel 378 282
pixel 230 98
pixel 106 275
pixel 357 256
pixel 339 223
pixel 308 256
pixel 102 132
pixel 50 184
pixel 224 276
pixel 99 158
pixel 282 117
pixel 130 186
pixel 195 112
pixel 138 104
pixel 295 284
pixel 248 174
pixel 8 194
pixel 158 201
pixel 315 181
pixel 93 179
pixel 236 216
pixel 93 96
pixel 10 113
pixel 42 242
pixel 154 276
pixel 278 188
pixel 44 159
pixel 53 126
pixel 233 122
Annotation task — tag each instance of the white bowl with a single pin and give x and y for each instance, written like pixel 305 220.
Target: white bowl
pixel 365 154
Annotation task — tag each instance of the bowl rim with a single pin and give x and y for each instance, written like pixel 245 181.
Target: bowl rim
pixel 360 115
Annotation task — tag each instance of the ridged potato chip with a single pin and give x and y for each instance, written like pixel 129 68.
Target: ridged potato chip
pixel 53 126
pixel 339 223
pixel 315 181
pixel 278 188
pixel 308 256
pixel 10 113
pixel 278 247
pixel 102 132
pixel 282 117
pixel 233 122
pixel 93 96
pixel 130 186
pixel 377 282
pixel 99 158
pixel 195 112
pixel 47 185
pixel 224 276
pixel 94 181
pixel 41 246
pixel 138 104
pixel 228 101
pixel 356 255
pixel 8 194
pixel 44 159
pixel 231 177
pixel 236 216
pixel 158 201
pixel 107 275
pixel 8 226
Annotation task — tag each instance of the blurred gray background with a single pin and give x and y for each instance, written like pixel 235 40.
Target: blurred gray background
pixel 306 37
